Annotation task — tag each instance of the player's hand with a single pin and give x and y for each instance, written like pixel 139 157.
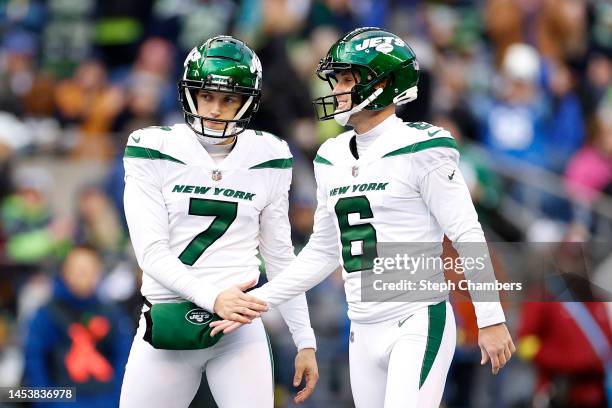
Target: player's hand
pixel 225 326
pixel 234 304
pixel 305 366
pixel 495 345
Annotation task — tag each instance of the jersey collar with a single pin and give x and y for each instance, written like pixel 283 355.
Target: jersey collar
pixel 236 158
pixel 380 129
pixel 385 140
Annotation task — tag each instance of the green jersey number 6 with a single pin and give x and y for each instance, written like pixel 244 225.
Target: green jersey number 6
pixel 364 233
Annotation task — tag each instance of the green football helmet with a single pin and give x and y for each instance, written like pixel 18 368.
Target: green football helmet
pixel 221 64
pixel 374 56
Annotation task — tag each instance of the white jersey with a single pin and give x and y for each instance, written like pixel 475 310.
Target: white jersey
pixel 196 225
pixel 405 188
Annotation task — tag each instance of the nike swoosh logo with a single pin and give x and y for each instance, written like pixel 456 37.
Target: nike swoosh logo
pixel 451 176
pixel 430 133
pixel 401 322
pixel 136 140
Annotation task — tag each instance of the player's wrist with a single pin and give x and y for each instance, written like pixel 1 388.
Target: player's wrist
pixel 492 325
pixel 489 314
pixel 304 339
pixel 207 296
pixel 307 346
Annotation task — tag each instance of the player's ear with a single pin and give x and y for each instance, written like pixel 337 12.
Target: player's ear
pixel 381 84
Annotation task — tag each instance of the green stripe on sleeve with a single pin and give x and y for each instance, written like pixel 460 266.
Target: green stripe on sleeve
pixel 146 153
pixel 274 164
pixel 437 320
pixel 428 144
pixel 322 160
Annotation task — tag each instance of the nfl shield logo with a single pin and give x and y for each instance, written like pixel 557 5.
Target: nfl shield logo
pixel 216 175
pixel 355 171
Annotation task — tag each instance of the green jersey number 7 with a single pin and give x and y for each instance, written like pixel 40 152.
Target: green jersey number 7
pixel 224 212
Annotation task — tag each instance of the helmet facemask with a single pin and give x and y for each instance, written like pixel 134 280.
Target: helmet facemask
pixel 232 127
pixel 326 107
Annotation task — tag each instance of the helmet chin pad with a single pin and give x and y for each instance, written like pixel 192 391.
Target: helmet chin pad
pixel 232 127
pixel 212 137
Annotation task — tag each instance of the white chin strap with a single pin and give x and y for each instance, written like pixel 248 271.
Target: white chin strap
pixel 343 118
pixel 207 139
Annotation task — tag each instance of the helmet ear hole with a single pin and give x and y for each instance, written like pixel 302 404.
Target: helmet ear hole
pixel 390 81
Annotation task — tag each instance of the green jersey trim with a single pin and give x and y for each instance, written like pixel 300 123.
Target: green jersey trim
pixel 437 321
pixel 322 160
pixel 166 128
pixel 274 164
pixel 271 359
pixel 427 144
pixel 260 133
pixel 146 153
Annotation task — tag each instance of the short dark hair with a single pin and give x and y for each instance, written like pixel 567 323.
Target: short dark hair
pixel 82 247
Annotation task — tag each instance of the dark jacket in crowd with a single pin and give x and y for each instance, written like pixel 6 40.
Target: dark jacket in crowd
pixel 81 343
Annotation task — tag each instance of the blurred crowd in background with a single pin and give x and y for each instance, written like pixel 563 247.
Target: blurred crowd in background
pixel 523 85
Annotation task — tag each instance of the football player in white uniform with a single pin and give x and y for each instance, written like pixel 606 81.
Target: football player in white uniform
pixel 200 199
pixel 387 181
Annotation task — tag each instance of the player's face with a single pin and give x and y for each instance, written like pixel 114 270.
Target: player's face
pixel 218 105
pixel 346 80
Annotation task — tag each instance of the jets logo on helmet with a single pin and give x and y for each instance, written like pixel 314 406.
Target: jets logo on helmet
pixel 384 48
pixel 221 64
pixel 376 42
pixel 256 66
pixel 194 55
pixel 375 57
